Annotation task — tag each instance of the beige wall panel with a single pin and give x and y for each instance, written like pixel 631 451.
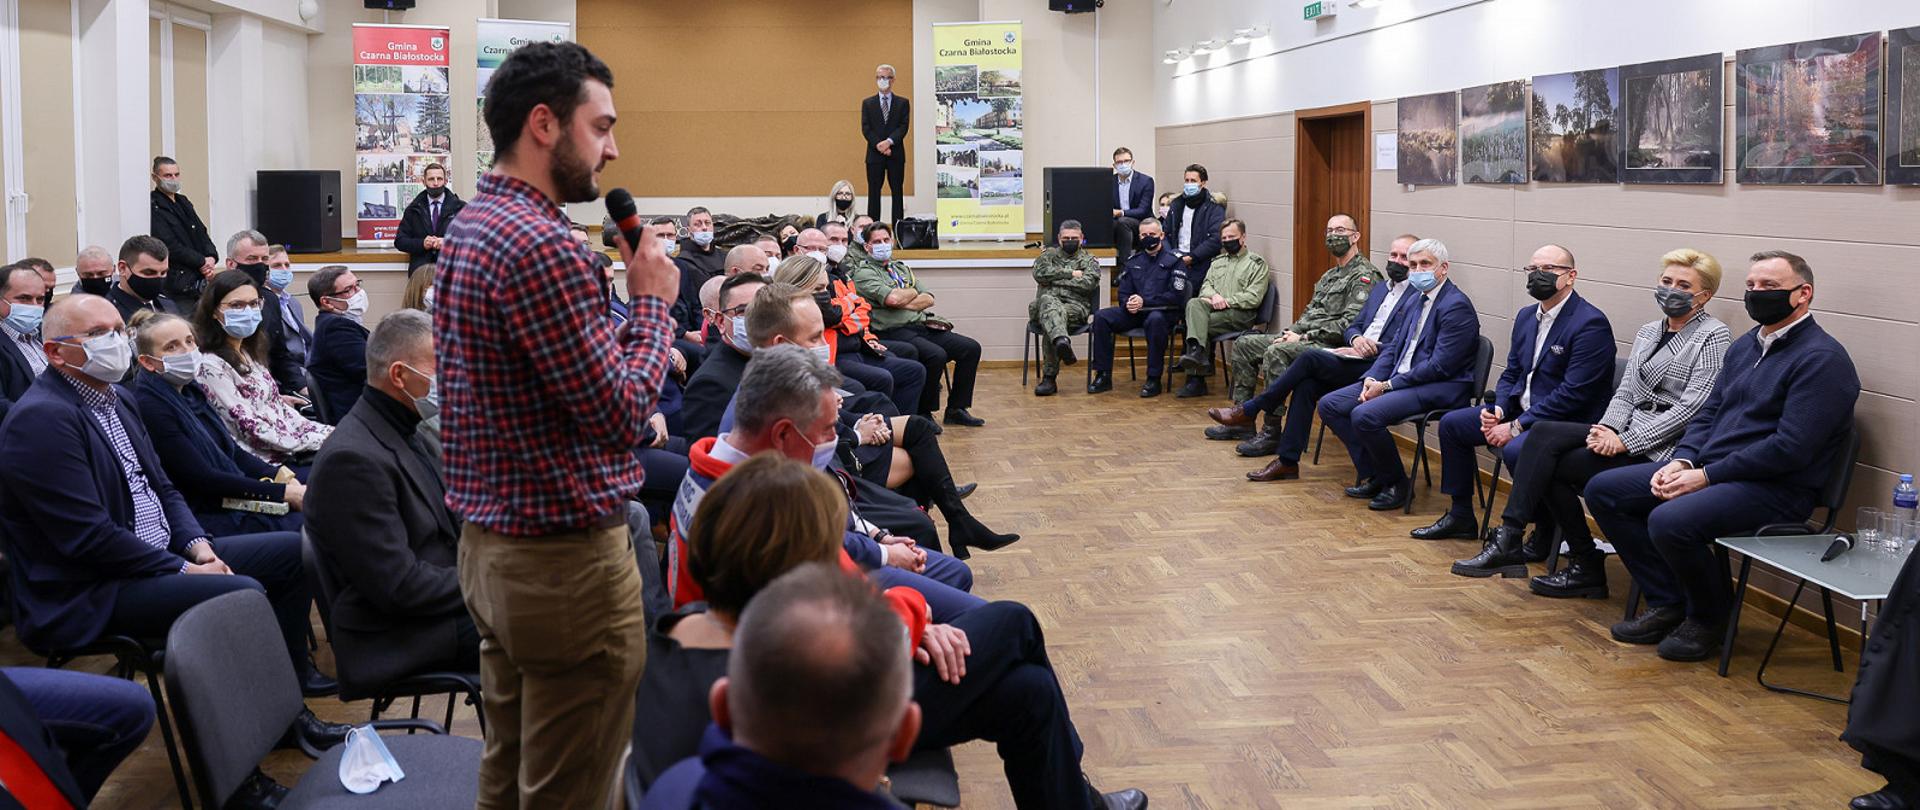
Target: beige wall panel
pixel 1271 187
pixel 46 99
pixel 1272 219
pixel 156 141
pixel 1889 439
pixel 190 118
pixel 1485 242
pixel 1454 201
pixel 1869 214
pixel 1882 352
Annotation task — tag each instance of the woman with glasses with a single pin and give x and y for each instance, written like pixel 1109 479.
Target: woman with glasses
pixel 234 375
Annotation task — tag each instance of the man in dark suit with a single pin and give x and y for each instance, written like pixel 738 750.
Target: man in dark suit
pixel 884 118
pixel 1427 365
pixel 1559 368
pixel 1193 226
pixel 191 257
pixel 21 358
pixel 247 252
pixel 293 320
pixel 143 280
pixel 423 226
pixel 99 539
pixel 1132 202
pixel 338 359
pixel 377 514
pixel 713 385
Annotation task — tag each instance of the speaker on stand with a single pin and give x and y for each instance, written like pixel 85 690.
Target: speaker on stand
pixel 300 209
pixel 1082 193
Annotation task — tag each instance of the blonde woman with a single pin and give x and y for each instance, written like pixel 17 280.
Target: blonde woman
pixel 839 204
pixel 419 292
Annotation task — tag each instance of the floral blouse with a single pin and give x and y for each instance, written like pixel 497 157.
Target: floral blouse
pixel 250 404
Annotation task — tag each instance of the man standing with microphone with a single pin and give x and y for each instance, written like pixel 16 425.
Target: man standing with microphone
pixel 544 401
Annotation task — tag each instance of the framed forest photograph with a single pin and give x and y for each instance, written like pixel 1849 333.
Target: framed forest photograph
pixel 1809 112
pixel 1902 149
pixel 1573 127
pixel 1674 113
pixel 1493 133
pixel 1428 133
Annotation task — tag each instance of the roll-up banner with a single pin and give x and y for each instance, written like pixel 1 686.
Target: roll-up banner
pixel 497 38
pixel 402 120
pixel 978 132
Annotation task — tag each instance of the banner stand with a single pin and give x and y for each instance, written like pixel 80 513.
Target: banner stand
pixel 402 121
pixel 979 136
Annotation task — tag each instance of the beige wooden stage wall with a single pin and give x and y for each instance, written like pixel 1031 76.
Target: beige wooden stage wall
pixel 1863 244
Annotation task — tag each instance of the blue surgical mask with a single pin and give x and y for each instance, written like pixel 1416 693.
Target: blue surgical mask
pixel 740 334
pixel 823 353
pixel 823 453
pixel 1423 280
pixel 180 369
pixel 427 406
pixel 673 248
pixel 25 318
pixel 1123 169
pixel 883 251
pixel 703 238
pixel 279 277
pixel 1190 189
pixel 241 323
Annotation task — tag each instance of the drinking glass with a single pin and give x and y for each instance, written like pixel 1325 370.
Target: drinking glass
pixel 1867 527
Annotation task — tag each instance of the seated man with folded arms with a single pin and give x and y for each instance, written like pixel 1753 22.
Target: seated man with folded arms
pixel 378 518
pixel 1338 297
pixel 1229 301
pixel 1670 372
pixel 1427 364
pixel 900 307
pixel 1758 453
pixel 1153 289
pixel 1559 364
pixel 982 675
pixel 1069 278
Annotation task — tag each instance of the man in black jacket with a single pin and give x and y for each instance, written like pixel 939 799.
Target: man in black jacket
pixel 884 118
pixel 423 227
pixel 143 280
pixel 377 514
pixel 192 258
pixel 713 386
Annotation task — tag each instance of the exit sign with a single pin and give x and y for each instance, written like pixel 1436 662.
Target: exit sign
pixel 1320 10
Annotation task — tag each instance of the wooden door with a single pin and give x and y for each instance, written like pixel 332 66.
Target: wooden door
pixel 1331 177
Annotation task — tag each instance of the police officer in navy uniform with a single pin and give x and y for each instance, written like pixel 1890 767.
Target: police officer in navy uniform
pixel 1153 289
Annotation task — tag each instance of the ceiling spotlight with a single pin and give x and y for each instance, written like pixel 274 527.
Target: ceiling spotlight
pixel 1209 45
pixel 1246 35
pixel 1366 3
pixel 1173 57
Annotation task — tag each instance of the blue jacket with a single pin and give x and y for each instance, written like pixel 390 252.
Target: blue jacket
pixel 1447 342
pixel 66 514
pixel 1139 201
pixel 337 362
pixel 196 451
pixel 1207 220
pixel 1575 377
pixel 1778 418
pixel 16 376
pixel 1377 295
pixel 1151 278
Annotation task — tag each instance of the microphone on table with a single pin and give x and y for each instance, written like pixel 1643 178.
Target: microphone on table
pixel 625 215
pixel 1841 544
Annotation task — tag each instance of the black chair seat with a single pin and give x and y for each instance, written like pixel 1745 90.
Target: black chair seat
pixel 927 777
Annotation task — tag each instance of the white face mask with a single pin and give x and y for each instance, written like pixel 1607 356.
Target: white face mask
pixel 426 299
pixel 108 357
pixel 836 252
pixel 817 256
pixel 356 306
pixel 885 84
pixel 180 369
pixel 823 453
pixel 366 762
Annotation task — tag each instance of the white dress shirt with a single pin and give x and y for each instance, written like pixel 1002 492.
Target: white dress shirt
pixel 1766 340
pixel 1419 330
pixel 1123 190
pixel 1395 290
pixel 1547 317
pixel 1185 245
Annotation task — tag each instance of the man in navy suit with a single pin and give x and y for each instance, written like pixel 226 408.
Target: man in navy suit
pixel 21 358
pixel 1193 227
pixel 1427 365
pixel 338 359
pixel 1559 368
pixel 1132 202
pixel 884 118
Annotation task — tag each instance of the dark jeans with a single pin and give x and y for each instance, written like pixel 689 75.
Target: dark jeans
pixel 96 720
pixel 1362 426
pixel 936 349
pixel 894 170
pixel 222 522
pixel 1125 230
pixel 1115 320
pixel 1667 545
pixel 145 608
pixel 1009 697
pixel 1554 466
pixel 1308 378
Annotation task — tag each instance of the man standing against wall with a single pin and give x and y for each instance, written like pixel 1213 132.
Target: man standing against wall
pixel 884 118
pixel 1132 202
pixel 191 257
pixel 423 226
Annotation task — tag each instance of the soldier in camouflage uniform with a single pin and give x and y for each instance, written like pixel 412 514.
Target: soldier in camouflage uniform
pixel 1069 278
pixel 1337 299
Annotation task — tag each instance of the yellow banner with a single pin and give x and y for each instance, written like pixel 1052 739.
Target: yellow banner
pixel 978 130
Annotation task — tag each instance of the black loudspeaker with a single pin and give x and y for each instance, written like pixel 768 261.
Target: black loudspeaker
pixel 300 209
pixel 390 5
pixel 1082 193
pixel 1068 6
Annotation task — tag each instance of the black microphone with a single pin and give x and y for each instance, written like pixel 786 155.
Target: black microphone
pixel 625 216
pixel 1841 544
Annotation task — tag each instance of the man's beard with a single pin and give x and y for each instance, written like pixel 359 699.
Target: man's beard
pixel 573 176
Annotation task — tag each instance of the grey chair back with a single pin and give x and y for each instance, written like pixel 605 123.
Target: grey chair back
pixel 1269 305
pixel 234 691
pixel 1482 363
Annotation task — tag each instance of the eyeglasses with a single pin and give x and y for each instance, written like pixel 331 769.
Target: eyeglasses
pixel 236 306
pixel 348 292
pixel 1551 268
pixel 734 312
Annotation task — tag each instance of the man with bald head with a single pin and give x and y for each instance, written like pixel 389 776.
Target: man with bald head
pixel 754 258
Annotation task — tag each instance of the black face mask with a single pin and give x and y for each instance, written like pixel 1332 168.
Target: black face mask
pixel 787 245
pixel 1542 284
pixel 843 202
pixel 830 314
pixel 95 286
pixel 1069 246
pixel 1768 307
pixel 257 272
pixel 1149 243
pixel 1231 246
pixel 145 287
pixel 1396 272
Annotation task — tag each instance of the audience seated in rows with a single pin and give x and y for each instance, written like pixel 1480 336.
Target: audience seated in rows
pixel 839 204
pixel 1152 293
pixel 855 351
pixel 234 375
pixel 93 271
pixel 698 248
pixel 1068 280
pixel 294 332
pixel 1338 297
pixel 418 293
pixel 247 252
pixel 901 313
pixel 1227 299
pixel 338 359
pixel 1193 225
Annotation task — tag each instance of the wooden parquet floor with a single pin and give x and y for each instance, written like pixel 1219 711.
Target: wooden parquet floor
pixel 1225 644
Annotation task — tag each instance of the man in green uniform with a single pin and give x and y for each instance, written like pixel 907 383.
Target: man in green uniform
pixel 1337 299
pixel 1069 278
pixel 1229 301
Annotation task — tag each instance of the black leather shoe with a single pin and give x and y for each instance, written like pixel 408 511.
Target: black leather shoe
pixel 1499 555
pixel 959 416
pixel 1264 443
pixel 1129 799
pixel 964 491
pixel 1693 640
pixel 1195 387
pixel 1365 490
pixel 1223 433
pixel 1392 497
pixel 1063 349
pixel 1882 799
pixel 1652 625
pixel 1151 389
pixel 319 734
pixel 258 792
pixel 1102 383
pixel 1585 577
pixel 1195 357
pixel 317 684
pixel 1449 527
pixel 1538 546
pixel 1046 388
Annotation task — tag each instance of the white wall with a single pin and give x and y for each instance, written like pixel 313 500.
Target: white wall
pixel 1408 47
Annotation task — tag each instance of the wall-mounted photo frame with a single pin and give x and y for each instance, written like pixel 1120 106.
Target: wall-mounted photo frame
pixel 1573 127
pixel 1493 133
pixel 1809 112
pixel 1429 130
pixel 1902 140
pixel 1674 117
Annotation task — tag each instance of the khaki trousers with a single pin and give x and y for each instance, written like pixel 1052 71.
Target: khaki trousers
pixel 562 644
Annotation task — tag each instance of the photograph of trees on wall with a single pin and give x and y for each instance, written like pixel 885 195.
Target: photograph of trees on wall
pixel 1903 107
pixel 1673 110
pixel 1809 112
pixel 1493 133
pixel 1572 122
pixel 1429 129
